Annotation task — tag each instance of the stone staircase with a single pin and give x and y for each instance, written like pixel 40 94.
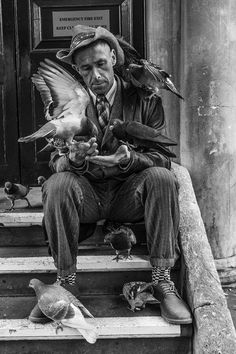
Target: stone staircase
pixel 23 256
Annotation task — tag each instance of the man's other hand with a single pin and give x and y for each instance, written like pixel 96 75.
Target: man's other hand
pixel 82 149
pixel 121 156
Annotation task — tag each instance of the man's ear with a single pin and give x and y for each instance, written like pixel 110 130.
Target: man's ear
pixel 113 57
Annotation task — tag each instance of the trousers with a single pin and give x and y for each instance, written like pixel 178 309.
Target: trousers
pixel 70 200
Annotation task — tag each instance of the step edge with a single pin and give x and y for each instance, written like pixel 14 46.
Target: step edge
pixel 108 327
pixel 97 263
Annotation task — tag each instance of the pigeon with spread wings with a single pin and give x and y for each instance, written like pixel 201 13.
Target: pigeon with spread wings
pixel 65 101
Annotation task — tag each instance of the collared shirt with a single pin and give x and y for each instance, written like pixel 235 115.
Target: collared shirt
pixel 110 96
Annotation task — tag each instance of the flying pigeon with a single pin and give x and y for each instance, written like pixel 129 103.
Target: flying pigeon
pixel 121 239
pixel 63 308
pixel 138 294
pixel 141 136
pixel 15 191
pixel 65 101
pixel 143 73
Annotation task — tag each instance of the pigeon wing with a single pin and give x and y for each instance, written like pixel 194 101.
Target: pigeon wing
pixel 143 132
pixel 53 304
pixel 45 93
pixel 161 76
pixel 67 93
pixel 73 299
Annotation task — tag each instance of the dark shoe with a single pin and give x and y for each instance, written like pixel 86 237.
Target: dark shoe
pixel 37 316
pixel 173 309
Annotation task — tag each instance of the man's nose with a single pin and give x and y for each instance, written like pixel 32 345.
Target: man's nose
pixel 96 74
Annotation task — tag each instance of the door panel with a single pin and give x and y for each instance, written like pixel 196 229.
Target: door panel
pixel 41 34
pixel 9 161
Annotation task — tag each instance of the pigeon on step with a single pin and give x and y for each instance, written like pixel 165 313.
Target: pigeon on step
pixel 63 308
pixel 15 191
pixel 121 239
pixel 41 180
pixel 138 294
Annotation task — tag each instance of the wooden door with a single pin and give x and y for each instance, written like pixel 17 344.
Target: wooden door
pixel 44 27
pixel 9 157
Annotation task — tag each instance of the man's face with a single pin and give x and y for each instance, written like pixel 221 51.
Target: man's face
pixel 95 65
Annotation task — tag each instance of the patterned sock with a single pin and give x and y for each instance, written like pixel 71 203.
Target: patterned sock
pixel 68 279
pixel 160 274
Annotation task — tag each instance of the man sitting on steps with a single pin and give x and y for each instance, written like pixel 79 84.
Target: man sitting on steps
pixel 105 182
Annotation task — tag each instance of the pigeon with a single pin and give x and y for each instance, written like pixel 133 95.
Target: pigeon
pixel 143 73
pixel 140 136
pixel 41 180
pixel 15 191
pixel 121 239
pixel 63 308
pixel 65 101
pixel 138 294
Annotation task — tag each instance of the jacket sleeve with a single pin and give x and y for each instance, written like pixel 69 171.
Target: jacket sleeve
pixel 152 114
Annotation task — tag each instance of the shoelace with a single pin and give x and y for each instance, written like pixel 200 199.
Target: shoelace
pixel 169 288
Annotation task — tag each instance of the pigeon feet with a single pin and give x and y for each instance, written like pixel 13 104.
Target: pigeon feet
pixel 128 256
pixel 59 326
pixel 117 257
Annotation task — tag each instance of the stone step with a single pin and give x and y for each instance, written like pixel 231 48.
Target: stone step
pixel 147 334
pixel 137 345
pixel 33 235
pixel 119 328
pixel 97 274
pixel 108 327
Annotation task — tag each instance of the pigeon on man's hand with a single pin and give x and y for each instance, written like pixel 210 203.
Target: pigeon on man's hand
pixel 63 308
pixel 141 136
pixel 138 294
pixel 143 73
pixel 121 240
pixel 65 101
pixel 15 191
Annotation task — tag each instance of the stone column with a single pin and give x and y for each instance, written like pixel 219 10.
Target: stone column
pixel 163 48
pixel 208 119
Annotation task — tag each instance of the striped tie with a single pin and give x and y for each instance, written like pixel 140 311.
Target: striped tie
pixel 103 109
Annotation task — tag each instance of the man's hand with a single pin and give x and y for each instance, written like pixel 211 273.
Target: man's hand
pixel 121 156
pixel 79 151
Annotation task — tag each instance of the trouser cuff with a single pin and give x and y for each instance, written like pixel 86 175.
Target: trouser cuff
pixel 162 262
pixel 65 272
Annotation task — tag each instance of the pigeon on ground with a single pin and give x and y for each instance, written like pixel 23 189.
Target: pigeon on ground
pixel 63 308
pixel 143 73
pixel 121 240
pixel 65 101
pixel 141 136
pixel 138 294
pixel 15 191
pixel 41 180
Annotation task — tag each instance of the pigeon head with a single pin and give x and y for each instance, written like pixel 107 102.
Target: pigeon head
pixel 35 283
pixel 8 185
pixel 41 180
pixel 108 237
pixel 136 70
pixel 116 123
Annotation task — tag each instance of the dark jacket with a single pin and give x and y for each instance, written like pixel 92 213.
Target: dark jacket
pixel 130 104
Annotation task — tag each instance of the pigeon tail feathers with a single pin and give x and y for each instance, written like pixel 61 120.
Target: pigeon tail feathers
pixel 88 331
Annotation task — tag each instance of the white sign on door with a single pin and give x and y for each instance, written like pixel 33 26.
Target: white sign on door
pixel 64 21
